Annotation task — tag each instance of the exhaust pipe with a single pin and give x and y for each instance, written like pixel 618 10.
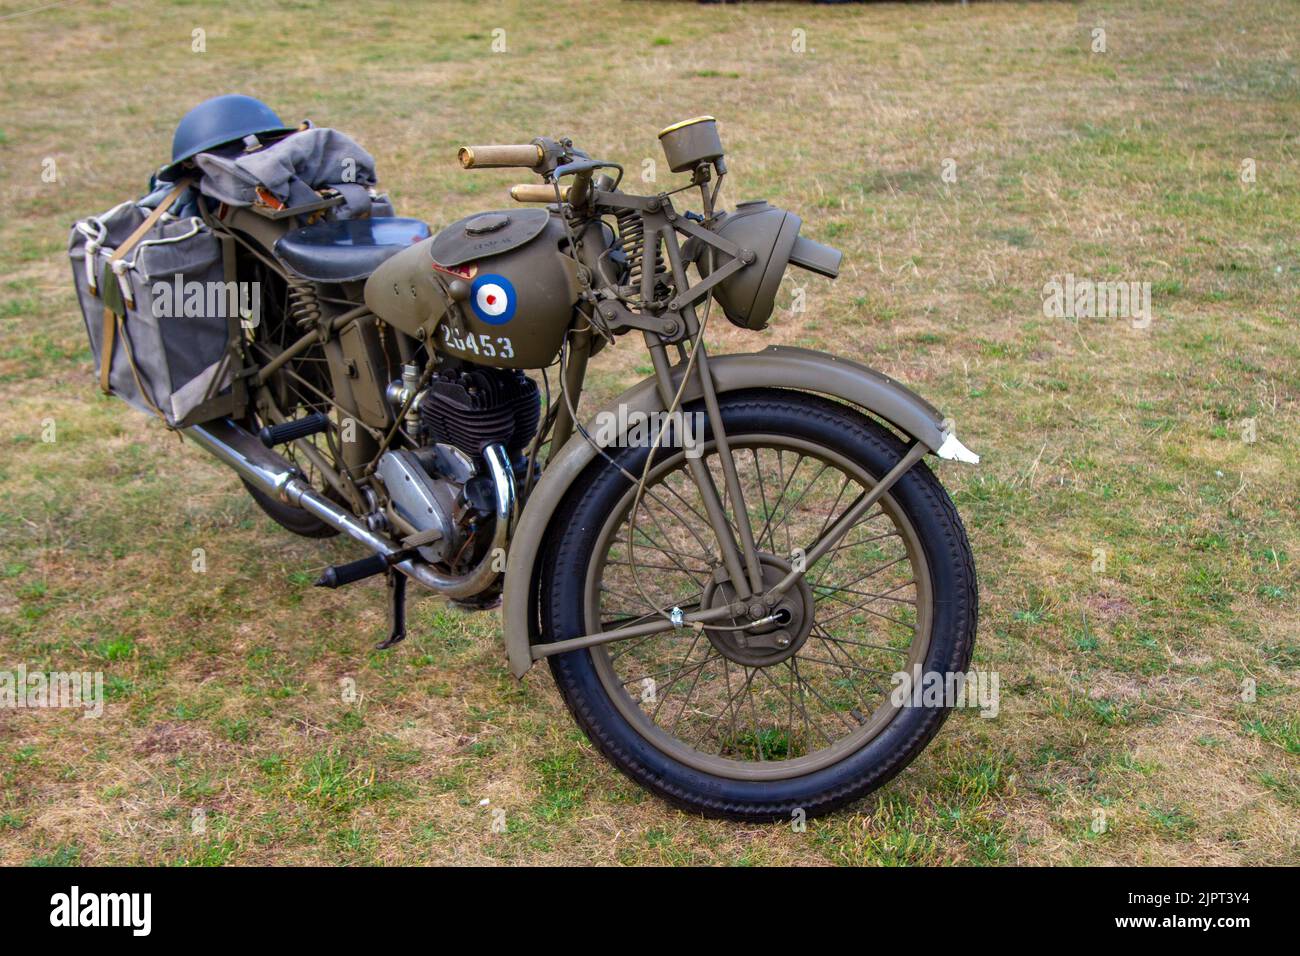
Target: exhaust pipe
pixel 269 473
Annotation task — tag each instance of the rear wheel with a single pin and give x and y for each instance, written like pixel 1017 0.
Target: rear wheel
pixel 298 388
pixel 759 721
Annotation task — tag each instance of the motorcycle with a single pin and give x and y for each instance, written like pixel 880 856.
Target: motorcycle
pixel 728 571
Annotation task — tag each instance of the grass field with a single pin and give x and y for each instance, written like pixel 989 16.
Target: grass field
pixel 1137 552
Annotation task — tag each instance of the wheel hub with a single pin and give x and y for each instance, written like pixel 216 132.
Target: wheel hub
pixel 765 644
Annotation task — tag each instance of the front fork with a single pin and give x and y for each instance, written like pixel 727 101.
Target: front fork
pixel 739 557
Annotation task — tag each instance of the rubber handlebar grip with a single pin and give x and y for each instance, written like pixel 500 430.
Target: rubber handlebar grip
pixel 527 155
pixel 537 192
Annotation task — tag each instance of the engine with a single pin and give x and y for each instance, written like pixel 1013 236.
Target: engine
pixel 471 408
pixel 440 495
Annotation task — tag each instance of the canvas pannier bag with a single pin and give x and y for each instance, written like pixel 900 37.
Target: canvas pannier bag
pixel 163 322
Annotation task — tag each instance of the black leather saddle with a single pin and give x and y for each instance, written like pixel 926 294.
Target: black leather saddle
pixel 347 249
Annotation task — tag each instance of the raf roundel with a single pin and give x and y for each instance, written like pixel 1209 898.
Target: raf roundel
pixel 493 299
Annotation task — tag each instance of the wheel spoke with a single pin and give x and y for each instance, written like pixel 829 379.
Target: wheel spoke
pixel 657 677
pixel 862 607
pixel 794 506
pixel 687 700
pixel 830 648
pixel 779 498
pixel 793 665
pixel 879 597
pixel 844 640
pixel 762 494
pixel 865 670
pixel 758 734
pixel 831 708
pixel 673 680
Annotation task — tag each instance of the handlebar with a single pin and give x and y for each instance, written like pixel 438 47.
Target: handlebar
pixel 527 155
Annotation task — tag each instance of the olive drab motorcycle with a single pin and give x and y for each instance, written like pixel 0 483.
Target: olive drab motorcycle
pixel 728 570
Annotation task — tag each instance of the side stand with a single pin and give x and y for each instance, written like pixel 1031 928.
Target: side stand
pixel 396 610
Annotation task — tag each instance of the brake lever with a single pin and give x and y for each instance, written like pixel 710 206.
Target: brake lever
pixel 582 166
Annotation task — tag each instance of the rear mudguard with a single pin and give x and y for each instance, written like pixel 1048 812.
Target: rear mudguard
pixel 774 367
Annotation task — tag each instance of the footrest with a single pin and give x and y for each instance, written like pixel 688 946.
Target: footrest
pixel 338 575
pixel 273 435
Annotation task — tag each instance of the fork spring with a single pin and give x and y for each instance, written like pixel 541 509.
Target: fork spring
pixel 631 240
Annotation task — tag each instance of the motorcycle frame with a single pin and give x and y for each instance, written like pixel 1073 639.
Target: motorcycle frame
pixel 674 323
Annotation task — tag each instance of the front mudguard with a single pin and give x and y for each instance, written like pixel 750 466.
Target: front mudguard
pixel 774 367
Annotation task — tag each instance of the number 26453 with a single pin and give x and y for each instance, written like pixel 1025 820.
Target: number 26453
pixel 481 344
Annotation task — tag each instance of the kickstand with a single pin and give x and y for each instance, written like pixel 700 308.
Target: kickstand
pixel 396 610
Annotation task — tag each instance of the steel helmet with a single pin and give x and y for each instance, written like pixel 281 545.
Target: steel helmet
pixel 222 119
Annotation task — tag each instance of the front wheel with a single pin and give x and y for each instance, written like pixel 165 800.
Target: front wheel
pixel 759 722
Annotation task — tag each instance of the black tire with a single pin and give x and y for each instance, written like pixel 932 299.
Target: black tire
pixel 919 496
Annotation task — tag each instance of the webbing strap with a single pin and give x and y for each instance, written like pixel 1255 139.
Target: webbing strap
pixel 110 320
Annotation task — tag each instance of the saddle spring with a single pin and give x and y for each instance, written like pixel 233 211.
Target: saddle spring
pixel 304 303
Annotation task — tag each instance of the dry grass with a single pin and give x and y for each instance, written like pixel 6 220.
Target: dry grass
pixel 1121 690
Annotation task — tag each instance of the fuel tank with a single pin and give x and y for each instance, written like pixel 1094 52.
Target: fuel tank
pixel 494 289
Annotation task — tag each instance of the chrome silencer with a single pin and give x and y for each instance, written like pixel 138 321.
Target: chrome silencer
pixel 240 450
